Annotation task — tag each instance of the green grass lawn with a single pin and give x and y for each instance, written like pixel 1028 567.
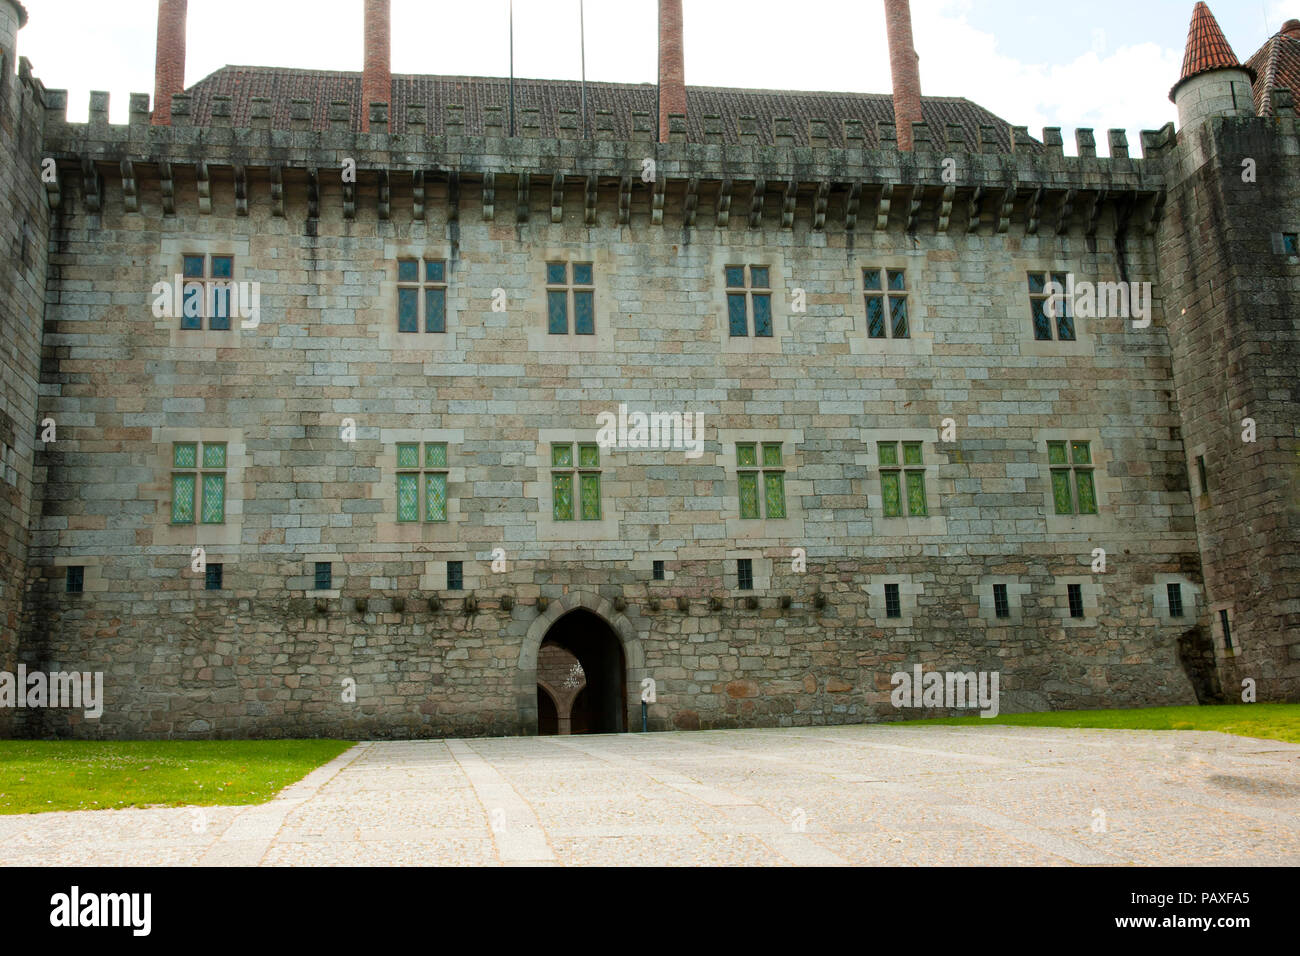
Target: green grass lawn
pixel 41 775
pixel 1271 721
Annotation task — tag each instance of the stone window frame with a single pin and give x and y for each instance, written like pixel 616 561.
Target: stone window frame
pixel 789 528
pixel 540 489
pixel 1072 470
pixel 1020 312
pixel 1091 591
pixel 433 580
pixel 909 590
pixel 760 564
pixel 885 293
pixel 643 562
pixel 199 471
pixel 306 581
pixel 749 291
pixel 387 529
pixel 171 262
pixel 385 305
pixel 93 579
pixel 726 256
pixel 225 538
pixel 935 523
pixel 919 341
pixel 1016 591
pixel 533 307
pixel 209 284
pixel 1192 594
pixel 1107 489
pixel 903 468
pixel 1197 456
pixel 421 285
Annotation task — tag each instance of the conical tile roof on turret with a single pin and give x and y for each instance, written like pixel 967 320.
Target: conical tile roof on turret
pixel 1207 49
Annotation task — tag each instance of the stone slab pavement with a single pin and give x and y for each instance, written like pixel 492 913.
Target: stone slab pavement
pixel 869 794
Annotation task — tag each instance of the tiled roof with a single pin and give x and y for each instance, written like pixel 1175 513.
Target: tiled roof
pixel 1207 48
pixel 1277 65
pixel 548 97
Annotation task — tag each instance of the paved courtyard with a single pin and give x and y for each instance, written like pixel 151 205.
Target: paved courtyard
pixel 835 795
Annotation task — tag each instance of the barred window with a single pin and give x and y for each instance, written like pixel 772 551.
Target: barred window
pixel 1001 608
pixel 427 470
pixel 578 477
pixel 886 298
pixel 902 480
pixel 208 282
pixel 76 579
pixel 455 575
pixel 1174 592
pixel 570 298
pixel 769 476
pixel 657 570
pixel 749 301
pixel 324 576
pixel 1050 313
pixel 893 605
pixel 1073 490
pixel 745 574
pixel 1075 593
pixel 422 288
pixel 199 482
pixel 212 579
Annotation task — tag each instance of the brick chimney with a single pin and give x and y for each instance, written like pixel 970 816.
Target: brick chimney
pixel 377 75
pixel 672 64
pixel 903 66
pixel 169 59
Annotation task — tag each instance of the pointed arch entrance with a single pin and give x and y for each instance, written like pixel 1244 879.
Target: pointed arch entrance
pixel 595 696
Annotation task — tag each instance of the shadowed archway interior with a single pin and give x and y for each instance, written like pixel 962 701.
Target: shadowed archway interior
pixel 598 704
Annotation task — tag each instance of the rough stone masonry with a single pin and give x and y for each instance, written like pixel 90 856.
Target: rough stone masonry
pixel 317 402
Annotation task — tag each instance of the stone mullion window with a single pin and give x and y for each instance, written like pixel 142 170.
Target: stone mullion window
pixel 208 282
pixel 199 482
pixel 1073 488
pixel 570 292
pixel 886 300
pixel 421 293
pixel 582 478
pixel 902 482
pixel 1043 309
pixel 432 467
pixel 769 476
pixel 749 301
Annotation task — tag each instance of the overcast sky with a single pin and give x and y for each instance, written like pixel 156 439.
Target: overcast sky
pixel 1103 63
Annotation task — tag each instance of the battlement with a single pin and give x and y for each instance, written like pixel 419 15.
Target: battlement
pixel 1032 182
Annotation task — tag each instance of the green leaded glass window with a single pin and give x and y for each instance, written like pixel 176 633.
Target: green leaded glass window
pixel 432 468
pixel 199 490
pixel 770 476
pixel 183 498
pixel 886 293
pixel 562 493
pixel 214 498
pixel 1073 491
pixel 587 482
pixel 432 282
pixel 902 480
pixel 748 295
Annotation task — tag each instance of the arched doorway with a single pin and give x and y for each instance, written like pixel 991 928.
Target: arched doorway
pixel 598 704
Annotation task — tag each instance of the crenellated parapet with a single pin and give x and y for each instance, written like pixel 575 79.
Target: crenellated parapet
pixel 992 182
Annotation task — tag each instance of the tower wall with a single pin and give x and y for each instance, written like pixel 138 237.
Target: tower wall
pixel 1233 302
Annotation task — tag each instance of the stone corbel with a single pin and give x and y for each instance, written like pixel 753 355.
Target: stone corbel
pixel 945 207
pixel 691 203
pixel 167 186
pixel 241 191
pixel 820 202
pixel 589 197
pixel 489 196
pixel 1067 210
pixel 1007 208
pixel 204 182
pixel 883 206
pixel 417 195
pixel 277 191
pixel 130 189
pixel 523 184
pixel 453 195
pixel 90 185
pixel 724 203
pixel 973 209
pixel 851 204
pixel 313 194
pixel 557 198
pixel 788 202
pixel 1035 212
pixel 914 206
pixel 624 200
pixel 657 200
pixel 756 203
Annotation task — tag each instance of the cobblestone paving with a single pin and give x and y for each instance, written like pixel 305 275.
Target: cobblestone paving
pixel 836 795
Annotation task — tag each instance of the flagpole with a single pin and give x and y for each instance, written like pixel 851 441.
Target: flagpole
pixel 512 67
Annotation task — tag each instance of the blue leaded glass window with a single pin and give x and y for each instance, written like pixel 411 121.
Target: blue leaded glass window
pixel 421 289
pixel 748 298
pixel 886 293
pixel 567 299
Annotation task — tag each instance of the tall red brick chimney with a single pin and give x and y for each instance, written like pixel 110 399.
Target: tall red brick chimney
pixel 672 64
pixel 169 59
pixel 377 75
pixel 903 66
